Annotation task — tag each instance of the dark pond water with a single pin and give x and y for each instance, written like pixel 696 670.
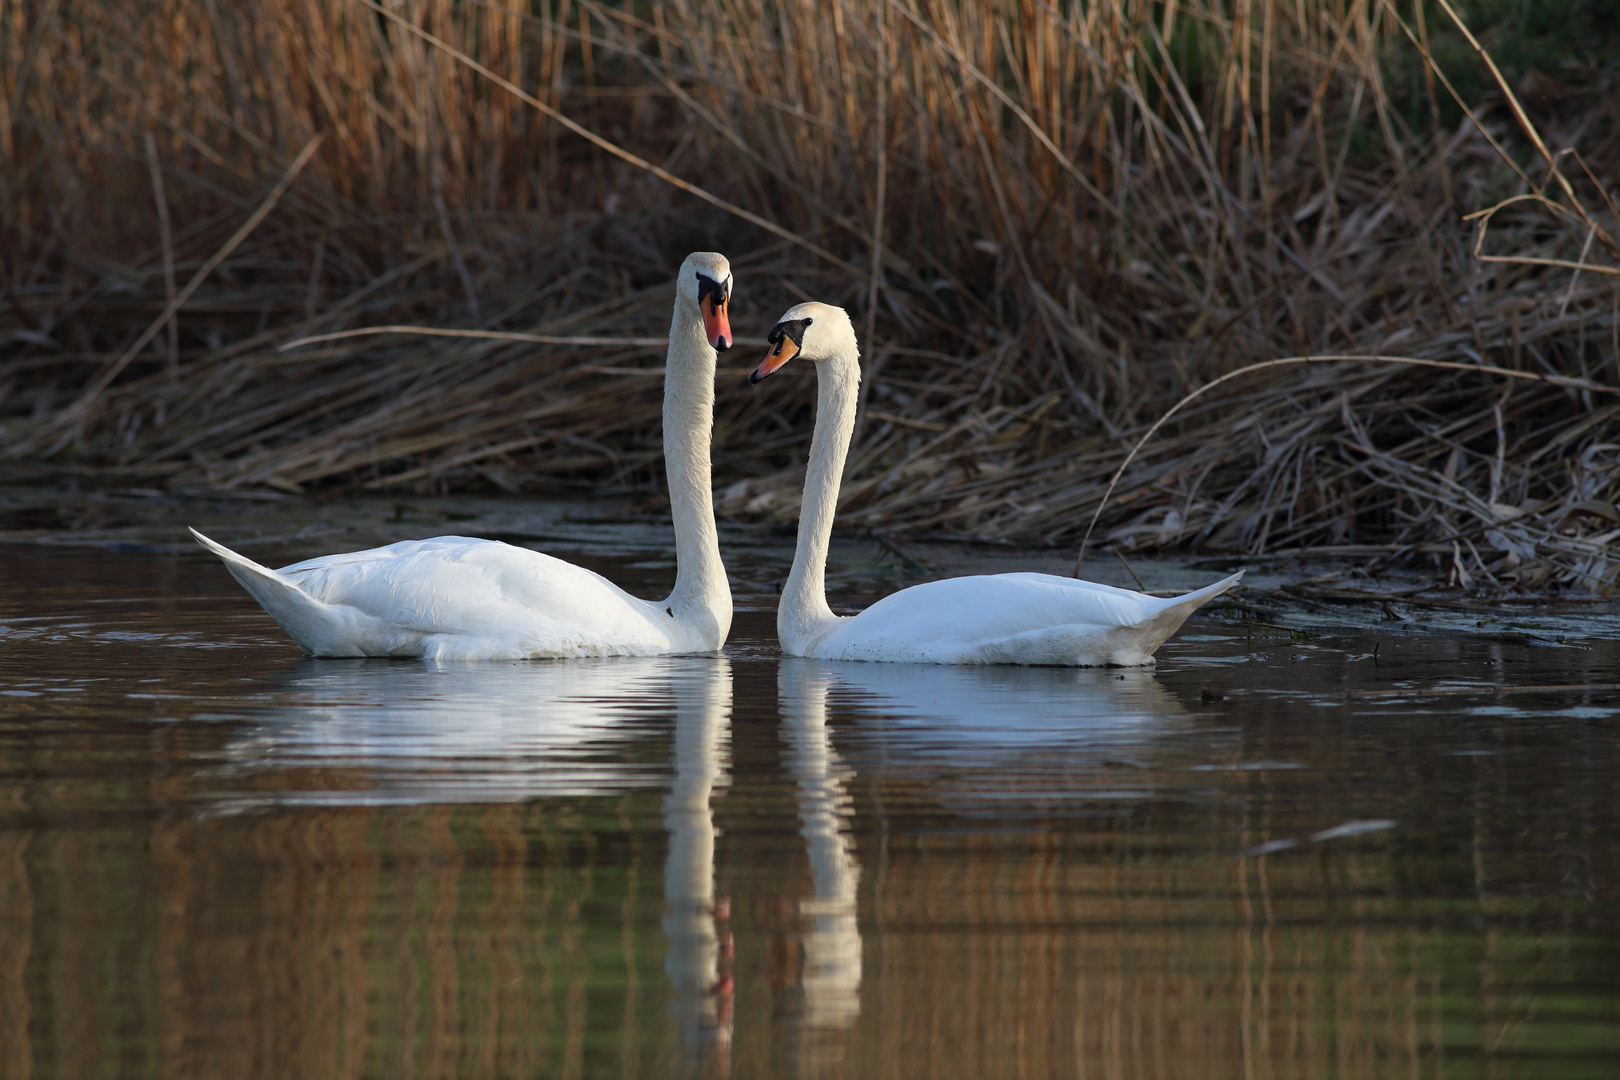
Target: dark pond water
pixel 1274 855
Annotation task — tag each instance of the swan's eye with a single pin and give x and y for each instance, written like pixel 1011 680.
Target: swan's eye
pixel 713 292
pixel 792 329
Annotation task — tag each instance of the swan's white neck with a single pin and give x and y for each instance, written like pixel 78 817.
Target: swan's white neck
pixel 702 596
pixel 803 614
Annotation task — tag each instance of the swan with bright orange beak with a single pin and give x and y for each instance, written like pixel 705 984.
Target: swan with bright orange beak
pixel 714 301
pixel 465 598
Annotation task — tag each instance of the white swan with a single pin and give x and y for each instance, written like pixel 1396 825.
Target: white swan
pixel 994 619
pixel 456 598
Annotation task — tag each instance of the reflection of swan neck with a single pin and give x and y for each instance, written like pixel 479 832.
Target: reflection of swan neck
pixel 832 943
pixel 803 611
pixel 693 963
pixel 689 876
pixel 702 595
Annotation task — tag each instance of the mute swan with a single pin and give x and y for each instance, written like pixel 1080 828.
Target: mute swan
pixel 456 598
pixel 994 619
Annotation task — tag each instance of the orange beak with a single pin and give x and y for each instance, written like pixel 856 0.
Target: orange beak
pixel 783 351
pixel 716 322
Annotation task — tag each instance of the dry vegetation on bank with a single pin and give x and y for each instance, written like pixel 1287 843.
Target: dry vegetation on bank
pixel 1076 213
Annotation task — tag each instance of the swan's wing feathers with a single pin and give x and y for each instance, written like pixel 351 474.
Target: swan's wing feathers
pixel 479 589
pixel 996 605
pixel 1014 618
pixel 450 598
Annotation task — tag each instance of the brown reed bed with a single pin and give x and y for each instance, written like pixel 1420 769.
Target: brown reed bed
pixel 1051 221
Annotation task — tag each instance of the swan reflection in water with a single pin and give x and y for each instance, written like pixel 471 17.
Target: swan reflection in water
pixel 831 980
pixel 375 733
pixel 693 919
pixel 378 733
pixel 987 718
pixel 976 715
pixel 402 733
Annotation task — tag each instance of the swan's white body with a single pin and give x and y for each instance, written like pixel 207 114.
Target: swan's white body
pixel 456 598
pixel 990 619
pixel 1006 619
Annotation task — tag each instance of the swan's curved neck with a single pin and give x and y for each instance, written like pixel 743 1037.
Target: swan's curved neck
pixel 803 613
pixel 702 595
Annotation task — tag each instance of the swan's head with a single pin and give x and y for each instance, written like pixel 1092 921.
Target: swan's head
pixel 812 330
pixel 705 283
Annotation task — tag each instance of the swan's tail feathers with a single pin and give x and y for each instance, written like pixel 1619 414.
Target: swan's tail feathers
pixel 1146 637
pixel 1168 620
pixel 307 619
pixel 1191 602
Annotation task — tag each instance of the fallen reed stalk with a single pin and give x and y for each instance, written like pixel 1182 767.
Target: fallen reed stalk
pixel 1054 221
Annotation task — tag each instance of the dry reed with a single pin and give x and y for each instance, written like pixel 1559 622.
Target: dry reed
pixel 1054 221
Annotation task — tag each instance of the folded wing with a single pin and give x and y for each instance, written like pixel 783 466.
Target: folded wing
pixel 451 598
pixel 1016 619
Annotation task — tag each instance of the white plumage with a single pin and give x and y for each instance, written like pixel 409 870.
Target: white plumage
pixel 456 598
pixel 1010 619
pixel 992 619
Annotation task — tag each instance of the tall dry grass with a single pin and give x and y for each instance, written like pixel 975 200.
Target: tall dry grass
pixel 1052 219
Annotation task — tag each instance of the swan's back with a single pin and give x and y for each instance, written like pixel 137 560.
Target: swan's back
pixel 456 598
pixel 1013 619
pixel 470 598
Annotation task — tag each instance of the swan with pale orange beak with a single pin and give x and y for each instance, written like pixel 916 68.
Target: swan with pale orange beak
pixel 985 619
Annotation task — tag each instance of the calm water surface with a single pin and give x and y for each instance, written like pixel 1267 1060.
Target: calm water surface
pixel 1272 856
